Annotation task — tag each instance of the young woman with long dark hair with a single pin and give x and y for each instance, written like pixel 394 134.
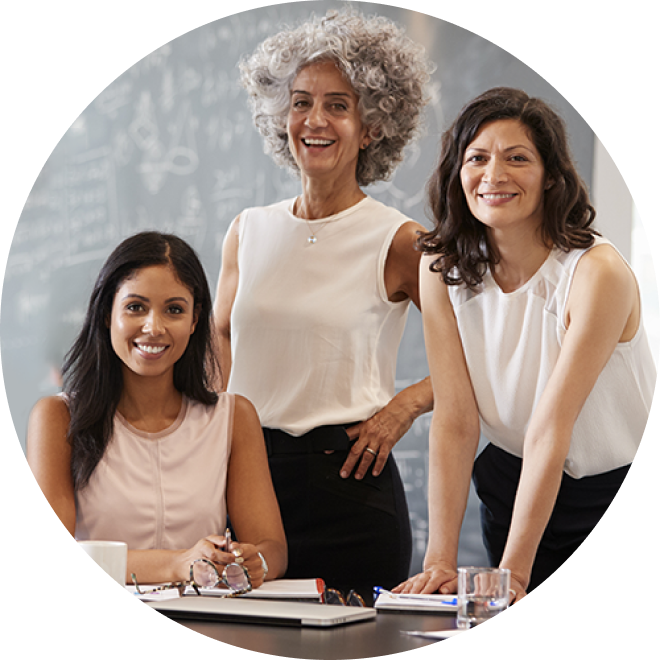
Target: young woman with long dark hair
pixel 139 447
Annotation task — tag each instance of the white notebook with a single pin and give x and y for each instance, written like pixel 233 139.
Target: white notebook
pixel 309 589
pixel 416 602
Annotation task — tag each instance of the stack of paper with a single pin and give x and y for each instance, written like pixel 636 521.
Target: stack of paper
pixel 311 589
pixel 417 602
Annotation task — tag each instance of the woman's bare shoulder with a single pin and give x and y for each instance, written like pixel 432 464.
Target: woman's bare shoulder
pixel 53 408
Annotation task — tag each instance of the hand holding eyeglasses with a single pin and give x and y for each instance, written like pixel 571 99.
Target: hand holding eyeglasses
pixel 221 551
pixel 218 568
pixel 205 575
pixel 250 558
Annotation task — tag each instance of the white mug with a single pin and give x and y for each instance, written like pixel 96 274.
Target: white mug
pixel 111 556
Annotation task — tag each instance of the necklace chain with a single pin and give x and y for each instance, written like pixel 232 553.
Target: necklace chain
pixel 312 238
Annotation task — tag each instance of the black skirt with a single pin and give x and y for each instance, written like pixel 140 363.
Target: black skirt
pixel 580 504
pixel 355 534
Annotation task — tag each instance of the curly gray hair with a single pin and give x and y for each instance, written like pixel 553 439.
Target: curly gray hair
pixel 387 70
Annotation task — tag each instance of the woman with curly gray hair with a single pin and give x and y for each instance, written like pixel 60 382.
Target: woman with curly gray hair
pixel 385 69
pixel 314 292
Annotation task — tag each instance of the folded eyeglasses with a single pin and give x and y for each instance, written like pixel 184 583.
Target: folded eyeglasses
pixel 205 575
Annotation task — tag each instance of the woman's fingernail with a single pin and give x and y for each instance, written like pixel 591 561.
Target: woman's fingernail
pixel 343 474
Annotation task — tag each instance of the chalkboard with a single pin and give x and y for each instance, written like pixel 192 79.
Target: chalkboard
pixel 170 145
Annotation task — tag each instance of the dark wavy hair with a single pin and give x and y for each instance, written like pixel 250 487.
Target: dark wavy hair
pixel 458 238
pixel 92 374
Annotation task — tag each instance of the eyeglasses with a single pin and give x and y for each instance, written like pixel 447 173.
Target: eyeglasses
pixel 205 575
pixel 335 597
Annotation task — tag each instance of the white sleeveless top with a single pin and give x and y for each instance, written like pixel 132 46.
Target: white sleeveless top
pixel 163 490
pixel 314 337
pixel 512 343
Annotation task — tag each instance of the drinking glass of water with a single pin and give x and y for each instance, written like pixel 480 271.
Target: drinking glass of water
pixel 482 593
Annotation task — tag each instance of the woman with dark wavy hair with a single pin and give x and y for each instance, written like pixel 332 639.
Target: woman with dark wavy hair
pixel 139 448
pixel 534 336
pixel 459 238
pixel 314 292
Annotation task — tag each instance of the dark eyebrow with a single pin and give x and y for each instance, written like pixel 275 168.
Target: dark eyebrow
pixel 519 146
pixel 516 146
pixel 169 300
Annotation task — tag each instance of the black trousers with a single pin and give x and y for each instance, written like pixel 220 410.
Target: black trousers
pixel 580 505
pixel 355 534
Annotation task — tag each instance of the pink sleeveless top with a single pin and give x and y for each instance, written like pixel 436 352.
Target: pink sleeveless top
pixel 163 490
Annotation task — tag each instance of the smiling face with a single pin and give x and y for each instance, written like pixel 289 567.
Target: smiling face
pixel 153 316
pixel 324 126
pixel 503 176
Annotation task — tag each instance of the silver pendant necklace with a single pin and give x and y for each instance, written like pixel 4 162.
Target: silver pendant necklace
pixel 312 238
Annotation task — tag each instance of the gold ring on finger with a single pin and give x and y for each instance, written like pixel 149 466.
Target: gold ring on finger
pixel 371 451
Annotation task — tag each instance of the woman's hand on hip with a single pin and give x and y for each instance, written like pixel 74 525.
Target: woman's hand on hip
pixel 375 439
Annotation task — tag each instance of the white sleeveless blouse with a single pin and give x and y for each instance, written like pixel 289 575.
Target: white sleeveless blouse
pixel 314 337
pixel 512 343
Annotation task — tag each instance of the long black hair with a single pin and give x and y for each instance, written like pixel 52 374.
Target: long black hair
pixel 92 374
